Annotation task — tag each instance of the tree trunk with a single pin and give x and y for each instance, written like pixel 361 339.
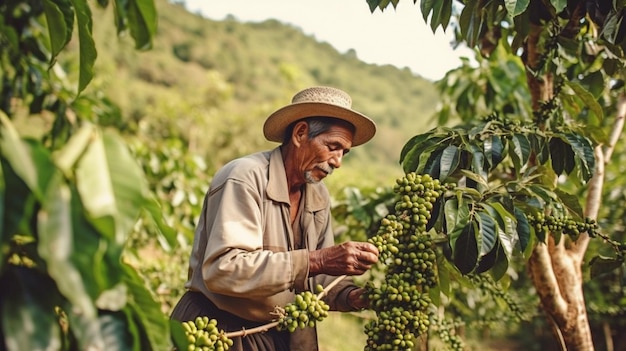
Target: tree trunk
pixel 554 268
pixel 557 276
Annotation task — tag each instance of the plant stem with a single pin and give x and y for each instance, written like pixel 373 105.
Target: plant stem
pixel 268 326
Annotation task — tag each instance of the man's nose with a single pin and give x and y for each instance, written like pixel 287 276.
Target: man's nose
pixel 335 160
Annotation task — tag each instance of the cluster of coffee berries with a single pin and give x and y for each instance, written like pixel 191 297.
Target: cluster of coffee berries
pixel 544 224
pixel 402 302
pixel 305 311
pixel 447 334
pixel 203 335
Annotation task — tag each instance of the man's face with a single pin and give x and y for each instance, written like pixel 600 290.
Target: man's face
pixel 322 154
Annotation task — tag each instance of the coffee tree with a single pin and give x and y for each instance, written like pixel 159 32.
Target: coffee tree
pixel 539 115
pixel 71 190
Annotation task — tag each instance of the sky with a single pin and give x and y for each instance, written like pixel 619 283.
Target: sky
pixel 399 37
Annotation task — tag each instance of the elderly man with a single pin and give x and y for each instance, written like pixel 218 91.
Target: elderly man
pixel 265 231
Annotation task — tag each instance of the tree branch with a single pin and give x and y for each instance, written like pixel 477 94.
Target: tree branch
pixel 594 194
pixel 265 327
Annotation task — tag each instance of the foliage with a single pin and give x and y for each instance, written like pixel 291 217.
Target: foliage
pixel 534 140
pixel 72 195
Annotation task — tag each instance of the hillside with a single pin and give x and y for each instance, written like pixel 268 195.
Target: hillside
pixel 212 83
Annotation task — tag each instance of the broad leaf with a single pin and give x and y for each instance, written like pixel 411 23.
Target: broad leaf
pixel 589 100
pixel 417 151
pixel 457 216
pixel 66 264
pixel 88 52
pixel 116 331
pixel 494 150
pixel 570 202
pixel 412 147
pixel 152 324
pixel 488 232
pixel 559 5
pixel 523 229
pixel 516 7
pixel 585 157
pixel 449 161
pixel 17 154
pixel 601 265
pixel 561 154
pixel 501 263
pixel 496 262
pixel 432 165
pixel 521 149
pixel 442 10
pixel 142 21
pixel 27 306
pixel 465 249
pixel 60 18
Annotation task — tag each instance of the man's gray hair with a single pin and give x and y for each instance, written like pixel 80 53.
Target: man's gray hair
pixel 317 125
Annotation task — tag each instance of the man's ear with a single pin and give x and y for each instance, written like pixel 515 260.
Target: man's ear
pixel 300 133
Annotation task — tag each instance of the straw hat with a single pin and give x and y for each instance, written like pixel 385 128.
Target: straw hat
pixel 319 101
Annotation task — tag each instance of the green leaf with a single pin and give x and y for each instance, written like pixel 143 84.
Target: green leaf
pixel 436 214
pixel 88 52
pixel 27 306
pixel 465 249
pixel 449 161
pixel 471 22
pixel 442 10
pixel 179 336
pixel 67 157
pixel 601 265
pixel 57 246
pixel 412 147
pixel 501 263
pixel 561 154
pixel 523 229
pixel 130 186
pixel 546 195
pixel 60 18
pixel 142 21
pixel 495 261
pixel 152 324
pixel 516 7
pixel 559 5
pixel 416 152
pixel 589 100
pixel 116 333
pixel 94 183
pixel 432 164
pixel 373 4
pixel 585 156
pixel 571 202
pixel 488 232
pixel 507 224
pixel 457 216
pixel 478 160
pixel 18 155
pixel 521 148
pixel 167 235
pixel 494 150
pixel 426 6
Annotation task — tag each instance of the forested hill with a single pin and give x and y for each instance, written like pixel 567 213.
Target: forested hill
pixel 212 83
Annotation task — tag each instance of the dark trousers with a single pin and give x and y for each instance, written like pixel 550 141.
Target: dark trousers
pixel 194 304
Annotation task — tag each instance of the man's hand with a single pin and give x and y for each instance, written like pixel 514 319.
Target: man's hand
pixel 350 258
pixel 357 298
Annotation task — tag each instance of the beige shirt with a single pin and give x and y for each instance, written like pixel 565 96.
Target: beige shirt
pixel 243 257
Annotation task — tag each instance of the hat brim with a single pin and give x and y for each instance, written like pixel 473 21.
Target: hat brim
pixel 276 124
